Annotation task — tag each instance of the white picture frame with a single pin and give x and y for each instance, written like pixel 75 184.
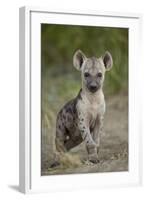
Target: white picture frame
pixel 29 160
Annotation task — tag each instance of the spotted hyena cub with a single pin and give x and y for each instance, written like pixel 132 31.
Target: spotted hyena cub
pixel 81 119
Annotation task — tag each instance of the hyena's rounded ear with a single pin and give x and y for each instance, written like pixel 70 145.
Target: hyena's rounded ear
pixel 107 60
pixel 78 59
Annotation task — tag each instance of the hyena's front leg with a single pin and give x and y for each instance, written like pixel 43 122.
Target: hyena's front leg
pixel 89 142
pixel 97 131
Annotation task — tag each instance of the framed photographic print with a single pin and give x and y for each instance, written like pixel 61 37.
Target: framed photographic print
pixel 79 97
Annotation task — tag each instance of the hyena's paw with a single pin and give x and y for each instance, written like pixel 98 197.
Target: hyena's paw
pixel 92 153
pixel 93 158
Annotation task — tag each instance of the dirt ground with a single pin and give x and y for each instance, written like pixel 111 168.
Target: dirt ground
pixel 113 153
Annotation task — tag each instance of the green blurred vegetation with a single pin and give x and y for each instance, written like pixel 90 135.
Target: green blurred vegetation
pixel 59 42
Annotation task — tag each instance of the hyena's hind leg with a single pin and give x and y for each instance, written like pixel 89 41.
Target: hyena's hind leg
pixel 59 144
pixel 60 135
pixel 73 142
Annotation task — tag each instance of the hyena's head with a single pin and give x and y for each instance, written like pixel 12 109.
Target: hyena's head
pixel 92 69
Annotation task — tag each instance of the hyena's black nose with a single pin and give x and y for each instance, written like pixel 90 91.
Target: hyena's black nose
pixel 93 88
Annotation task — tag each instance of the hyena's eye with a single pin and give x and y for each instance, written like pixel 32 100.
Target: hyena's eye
pixel 86 74
pixel 99 75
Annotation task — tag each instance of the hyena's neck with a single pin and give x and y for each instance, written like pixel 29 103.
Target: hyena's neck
pixel 96 97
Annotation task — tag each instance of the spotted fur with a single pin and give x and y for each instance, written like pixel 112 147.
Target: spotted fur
pixel 81 119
